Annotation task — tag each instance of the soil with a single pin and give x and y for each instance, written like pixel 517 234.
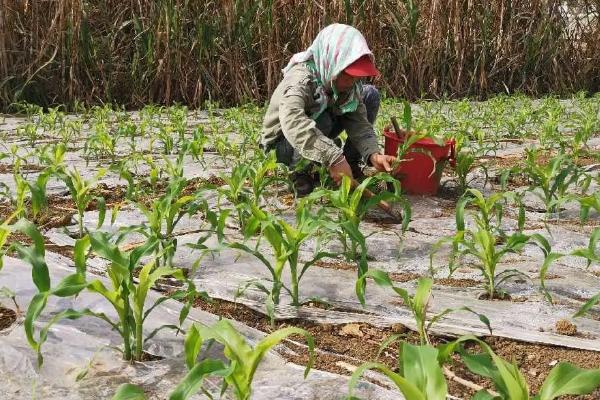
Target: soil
pixel 502 296
pixel 8 168
pixel 403 276
pixel 337 264
pixel 7 317
pixel 338 346
pixel 460 283
pixel 150 357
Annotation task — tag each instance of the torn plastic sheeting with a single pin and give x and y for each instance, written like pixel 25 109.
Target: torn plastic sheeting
pixel 519 321
pixel 75 346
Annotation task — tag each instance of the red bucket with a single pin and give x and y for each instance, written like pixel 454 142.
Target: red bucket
pixel 418 172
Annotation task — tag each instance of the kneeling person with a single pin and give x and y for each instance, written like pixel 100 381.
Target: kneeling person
pixel 319 97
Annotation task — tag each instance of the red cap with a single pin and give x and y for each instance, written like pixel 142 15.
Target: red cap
pixel 362 67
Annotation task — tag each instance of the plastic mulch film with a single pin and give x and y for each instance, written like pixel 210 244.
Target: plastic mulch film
pixel 81 360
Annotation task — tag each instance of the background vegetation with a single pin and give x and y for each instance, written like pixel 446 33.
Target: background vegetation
pixel 133 52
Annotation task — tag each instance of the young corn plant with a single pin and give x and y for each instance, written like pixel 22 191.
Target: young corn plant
pixel 23 187
pixel 487 242
pixel 101 143
pixel 510 383
pixel 81 194
pixel 29 132
pixel 551 182
pixel 418 303
pixel 285 241
pixel 196 145
pixel 419 375
pixel 247 185
pixel 238 374
pixel 587 203
pixel 165 212
pixel 5 231
pixel 352 206
pixel 126 295
pixel 592 254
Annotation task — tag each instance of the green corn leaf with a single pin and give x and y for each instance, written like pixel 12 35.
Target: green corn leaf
pixel 567 379
pixel 34 255
pixel 420 367
pixel 192 382
pixel 587 306
pixel 80 254
pixel 408 389
pixel 422 294
pixel 548 260
pixel 590 253
pixel 255 253
pixel 192 345
pixel 70 285
pixel 484 395
pixel 127 391
pixel 35 308
pixel 101 204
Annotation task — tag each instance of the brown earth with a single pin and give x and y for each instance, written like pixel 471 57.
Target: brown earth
pixel 7 317
pixel 341 346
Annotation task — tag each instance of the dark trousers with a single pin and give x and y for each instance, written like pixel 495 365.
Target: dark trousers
pixel 331 127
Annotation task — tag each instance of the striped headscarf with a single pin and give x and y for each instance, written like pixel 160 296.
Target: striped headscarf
pixel 335 48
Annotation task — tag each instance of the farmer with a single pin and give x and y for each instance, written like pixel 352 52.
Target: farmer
pixel 320 96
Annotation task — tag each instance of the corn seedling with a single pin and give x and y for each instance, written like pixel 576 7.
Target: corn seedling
pixel 5 231
pixel 592 252
pixel 70 131
pixel 236 191
pixel 550 182
pixel 482 240
pixel 195 146
pixel 587 203
pixel 419 302
pixel 101 143
pixel 351 207
pixel 285 241
pixel 238 374
pixel 420 376
pixel 509 381
pixel 81 194
pixel 165 136
pixel 29 132
pixel 36 190
pixel 465 162
pixel 126 296
pixel 165 212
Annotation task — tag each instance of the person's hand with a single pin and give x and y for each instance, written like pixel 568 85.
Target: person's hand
pixel 340 168
pixel 382 162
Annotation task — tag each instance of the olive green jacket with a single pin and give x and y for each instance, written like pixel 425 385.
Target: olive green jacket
pixel 289 113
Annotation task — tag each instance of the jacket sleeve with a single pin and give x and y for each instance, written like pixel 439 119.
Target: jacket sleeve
pixel 300 130
pixel 360 132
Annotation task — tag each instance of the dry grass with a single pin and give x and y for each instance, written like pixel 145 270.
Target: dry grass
pixel 134 52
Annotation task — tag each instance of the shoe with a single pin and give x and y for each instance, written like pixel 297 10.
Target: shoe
pixel 303 183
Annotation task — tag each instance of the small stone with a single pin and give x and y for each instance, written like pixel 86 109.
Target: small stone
pixel 565 327
pixel 530 356
pixel 351 330
pixel 399 328
pixel 532 372
pixel 553 363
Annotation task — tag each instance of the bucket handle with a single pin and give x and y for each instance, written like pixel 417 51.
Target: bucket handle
pixel 452 156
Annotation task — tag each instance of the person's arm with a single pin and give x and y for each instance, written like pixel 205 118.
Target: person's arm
pixel 360 132
pixel 362 136
pixel 301 131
